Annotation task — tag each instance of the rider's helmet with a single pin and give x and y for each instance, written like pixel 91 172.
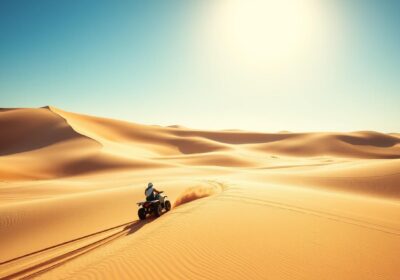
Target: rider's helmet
pixel 149 185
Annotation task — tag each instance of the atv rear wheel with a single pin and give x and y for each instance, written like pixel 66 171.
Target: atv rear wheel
pixel 157 210
pixel 167 205
pixel 142 213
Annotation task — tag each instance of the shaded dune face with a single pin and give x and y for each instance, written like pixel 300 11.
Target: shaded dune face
pixel 195 145
pixel 370 139
pixel 41 144
pixel 53 143
pixel 237 137
pixel 25 130
pixel 371 145
pixel 163 140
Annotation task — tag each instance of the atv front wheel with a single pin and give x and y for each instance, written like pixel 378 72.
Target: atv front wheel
pixel 142 213
pixel 167 205
pixel 157 210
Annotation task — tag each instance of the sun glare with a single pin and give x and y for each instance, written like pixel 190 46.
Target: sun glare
pixel 263 33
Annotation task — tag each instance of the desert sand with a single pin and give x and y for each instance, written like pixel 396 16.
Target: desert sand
pixel 247 205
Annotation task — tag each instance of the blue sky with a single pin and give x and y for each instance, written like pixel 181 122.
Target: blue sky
pixel 300 66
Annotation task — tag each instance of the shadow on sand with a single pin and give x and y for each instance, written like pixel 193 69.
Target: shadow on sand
pixel 35 269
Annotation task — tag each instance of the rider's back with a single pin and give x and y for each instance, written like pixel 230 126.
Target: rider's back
pixel 149 193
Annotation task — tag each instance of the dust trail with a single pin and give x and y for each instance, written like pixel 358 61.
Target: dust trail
pixel 197 192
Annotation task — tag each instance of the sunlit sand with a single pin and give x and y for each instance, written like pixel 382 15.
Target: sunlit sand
pixel 247 205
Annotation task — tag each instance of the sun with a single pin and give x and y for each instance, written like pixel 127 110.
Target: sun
pixel 264 33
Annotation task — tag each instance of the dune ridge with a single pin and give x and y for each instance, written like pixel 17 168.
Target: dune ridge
pixel 110 144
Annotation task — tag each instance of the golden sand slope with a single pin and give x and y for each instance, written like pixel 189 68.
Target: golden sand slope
pixel 273 206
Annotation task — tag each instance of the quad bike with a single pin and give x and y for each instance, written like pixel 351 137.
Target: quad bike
pixel 153 207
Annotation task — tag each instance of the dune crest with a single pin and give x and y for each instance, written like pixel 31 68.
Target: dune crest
pixel 106 144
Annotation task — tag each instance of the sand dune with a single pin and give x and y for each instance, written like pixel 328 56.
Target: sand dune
pixel 107 144
pixel 247 205
pixel 351 145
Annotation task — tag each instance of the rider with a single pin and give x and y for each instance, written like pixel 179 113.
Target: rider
pixel 152 194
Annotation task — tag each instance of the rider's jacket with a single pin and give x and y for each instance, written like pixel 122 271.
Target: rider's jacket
pixel 149 193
